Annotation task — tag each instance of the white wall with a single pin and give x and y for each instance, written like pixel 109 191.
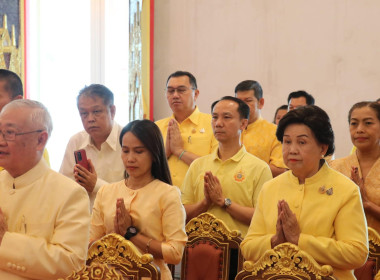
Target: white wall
pixel 329 48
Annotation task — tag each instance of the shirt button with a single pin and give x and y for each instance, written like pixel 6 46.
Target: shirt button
pixel 296 206
pixel 23 268
pixel 12 191
pixel 301 189
pixel 9 265
pixel 14 266
pixel 18 268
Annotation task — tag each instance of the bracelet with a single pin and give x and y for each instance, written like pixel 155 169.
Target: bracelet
pixel 181 154
pixel 148 246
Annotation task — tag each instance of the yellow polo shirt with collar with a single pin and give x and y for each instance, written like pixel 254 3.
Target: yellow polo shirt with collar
pixel 260 140
pixel 241 177
pixel 197 136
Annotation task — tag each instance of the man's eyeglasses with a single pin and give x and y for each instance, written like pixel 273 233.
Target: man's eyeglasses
pixel 10 135
pixel 180 90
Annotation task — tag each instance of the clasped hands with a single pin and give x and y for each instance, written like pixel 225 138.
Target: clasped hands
pixel 287 227
pixel 123 219
pixel 86 178
pixel 174 142
pixel 213 190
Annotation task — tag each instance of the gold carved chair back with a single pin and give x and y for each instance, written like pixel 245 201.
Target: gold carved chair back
pixel 208 249
pixel 96 271
pixel 115 251
pixel 285 262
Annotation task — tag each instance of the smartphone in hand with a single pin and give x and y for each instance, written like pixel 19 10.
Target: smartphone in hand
pixel 81 158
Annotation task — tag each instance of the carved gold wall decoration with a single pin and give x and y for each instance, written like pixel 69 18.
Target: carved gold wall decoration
pixel 285 261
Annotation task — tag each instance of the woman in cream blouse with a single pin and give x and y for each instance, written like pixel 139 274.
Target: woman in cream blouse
pixel 144 207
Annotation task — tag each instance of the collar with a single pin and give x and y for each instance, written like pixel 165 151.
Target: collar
pixel 236 157
pixel 317 177
pixel 112 139
pixel 27 178
pixel 194 117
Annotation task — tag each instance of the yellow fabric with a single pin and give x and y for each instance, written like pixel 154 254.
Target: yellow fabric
pixel 48 223
pixel 241 177
pixel 371 182
pixel 198 138
pixel 45 156
pixel 333 227
pixel 107 162
pixel 260 140
pixel 156 211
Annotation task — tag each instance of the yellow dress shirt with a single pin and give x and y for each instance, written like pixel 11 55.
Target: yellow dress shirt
pixel 241 177
pixel 260 140
pixel 371 182
pixel 48 225
pixel 333 227
pixel 198 138
pixel 156 210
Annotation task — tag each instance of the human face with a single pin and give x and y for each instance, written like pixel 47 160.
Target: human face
pixel 280 113
pixel 301 151
pixel 294 103
pixel 183 102
pixel 365 129
pixel 5 96
pixel 226 122
pixel 21 154
pixel 97 118
pixel 248 96
pixel 136 157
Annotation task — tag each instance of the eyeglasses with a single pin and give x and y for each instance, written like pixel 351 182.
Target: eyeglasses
pixel 10 135
pixel 180 90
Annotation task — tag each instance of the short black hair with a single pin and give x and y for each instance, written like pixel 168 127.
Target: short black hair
pixel 373 105
pixel 313 117
pixel 250 85
pixel 97 90
pixel 13 83
pixel 243 108
pixel 192 80
pixel 301 93
pixel 282 107
pixel 150 135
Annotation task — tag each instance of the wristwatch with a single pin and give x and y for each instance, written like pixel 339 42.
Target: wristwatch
pixel 131 231
pixel 227 202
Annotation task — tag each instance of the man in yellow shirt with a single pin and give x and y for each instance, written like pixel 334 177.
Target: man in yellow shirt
pixel 44 216
pixel 226 182
pixel 11 89
pixel 187 133
pixel 260 136
pixel 298 99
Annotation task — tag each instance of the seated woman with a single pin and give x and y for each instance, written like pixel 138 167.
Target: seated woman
pixel 311 205
pixel 144 207
pixel 363 166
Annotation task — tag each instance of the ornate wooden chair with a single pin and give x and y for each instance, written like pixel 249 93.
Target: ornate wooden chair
pixel 96 271
pixel 286 261
pixel 207 254
pixel 121 254
pixel 374 247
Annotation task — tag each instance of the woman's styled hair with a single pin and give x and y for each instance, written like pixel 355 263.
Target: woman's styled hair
pixel 150 135
pixel 373 105
pixel 313 117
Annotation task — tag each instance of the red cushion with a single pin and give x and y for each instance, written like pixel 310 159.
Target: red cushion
pixel 367 271
pixel 204 261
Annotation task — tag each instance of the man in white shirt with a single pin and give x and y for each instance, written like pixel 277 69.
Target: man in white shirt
pixel 44 216
pixel 100 140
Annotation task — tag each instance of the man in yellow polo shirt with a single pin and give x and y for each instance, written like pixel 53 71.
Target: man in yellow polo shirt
pixel 260 136
pixel 226 182
pixel 187 133
pixel 11 89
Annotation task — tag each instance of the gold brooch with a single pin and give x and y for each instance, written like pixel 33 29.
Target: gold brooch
pixel 323 190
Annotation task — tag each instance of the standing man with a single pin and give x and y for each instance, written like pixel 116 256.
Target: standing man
pixel 226 182
pixel 100 140
pixel 44 216
pixel 260 136
pixel 298 99
pixel 187 133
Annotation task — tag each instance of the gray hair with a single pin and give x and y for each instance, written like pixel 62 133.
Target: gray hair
pixel 39 116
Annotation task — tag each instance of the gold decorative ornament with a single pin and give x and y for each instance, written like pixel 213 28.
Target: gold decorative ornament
pixel 96 271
